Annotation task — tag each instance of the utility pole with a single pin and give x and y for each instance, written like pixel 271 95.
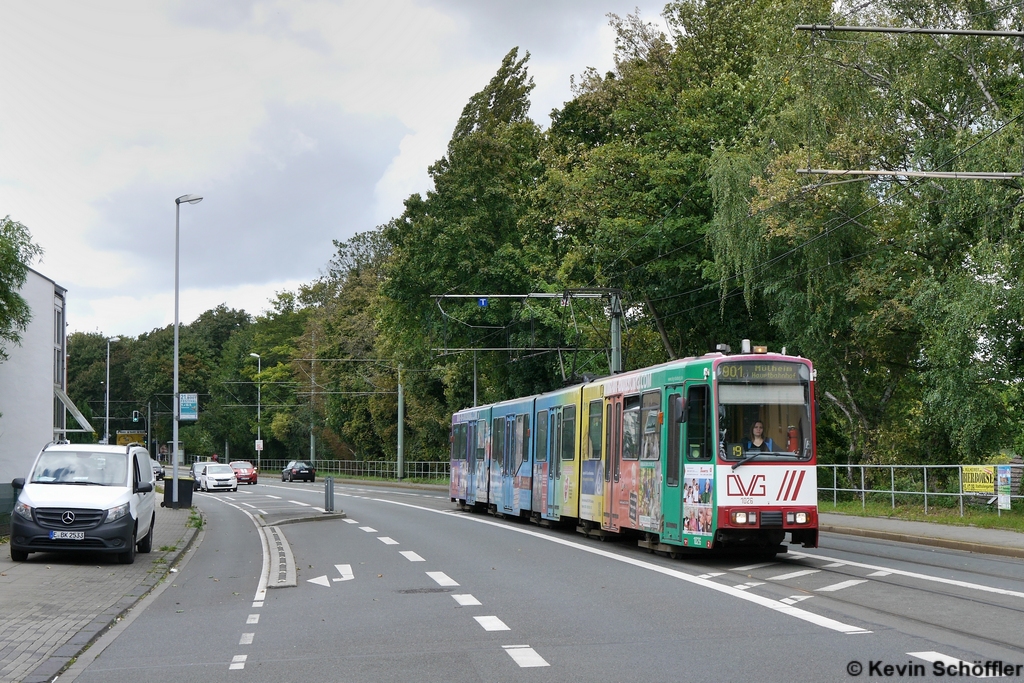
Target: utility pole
pixel 401 427
pixel 312 398
pixel 616 313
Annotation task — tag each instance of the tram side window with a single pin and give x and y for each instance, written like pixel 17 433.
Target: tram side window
pixel 481 439
pixel 631 428
pixel 498 441
pixel 698 424
pixel 649 413
pixel 594 431
pixel 540 445
pixel 675 417
pixel 522 440
pixel 568 446
pixel 459 442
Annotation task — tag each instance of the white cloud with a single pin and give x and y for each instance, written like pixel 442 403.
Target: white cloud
pixel 299 123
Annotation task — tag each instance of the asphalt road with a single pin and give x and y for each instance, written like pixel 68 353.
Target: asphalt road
pixel 407 588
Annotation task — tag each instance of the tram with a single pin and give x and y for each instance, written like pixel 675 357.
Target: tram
pixel 703 453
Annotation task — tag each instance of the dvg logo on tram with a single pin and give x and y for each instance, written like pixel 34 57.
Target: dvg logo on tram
pixel 757 485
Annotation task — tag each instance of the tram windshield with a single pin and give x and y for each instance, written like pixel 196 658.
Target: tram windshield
pixel 764 411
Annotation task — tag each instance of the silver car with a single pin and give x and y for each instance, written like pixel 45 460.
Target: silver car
pixel 217 477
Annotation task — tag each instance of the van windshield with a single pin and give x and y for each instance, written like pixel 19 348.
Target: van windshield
pixel 74 467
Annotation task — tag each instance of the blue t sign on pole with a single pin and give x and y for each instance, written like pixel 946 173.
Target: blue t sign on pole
pixel 481 303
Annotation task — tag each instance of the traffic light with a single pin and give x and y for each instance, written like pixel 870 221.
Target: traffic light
pixel 135 416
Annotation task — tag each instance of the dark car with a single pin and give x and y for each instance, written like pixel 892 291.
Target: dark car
pixel 298 469
pixel 245 473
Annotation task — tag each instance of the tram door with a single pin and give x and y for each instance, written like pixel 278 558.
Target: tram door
pixel 698 447
pixel 508 464
pixel 613 464
pixel 672 500
pixel 554 466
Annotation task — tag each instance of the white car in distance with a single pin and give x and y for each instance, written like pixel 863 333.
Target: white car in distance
pixel 216 477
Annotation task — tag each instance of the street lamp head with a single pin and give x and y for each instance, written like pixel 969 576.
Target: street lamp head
pixel 188 199
pixel 113 339
pixel 255 355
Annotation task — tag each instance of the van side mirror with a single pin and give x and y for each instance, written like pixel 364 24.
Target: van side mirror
pixel 18 483
pixel 143 487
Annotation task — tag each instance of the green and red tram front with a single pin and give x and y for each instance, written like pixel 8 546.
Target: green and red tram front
pixel 766 476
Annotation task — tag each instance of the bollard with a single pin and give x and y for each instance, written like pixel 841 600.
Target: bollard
pixel 329 494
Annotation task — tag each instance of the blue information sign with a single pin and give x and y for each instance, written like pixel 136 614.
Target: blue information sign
pixel 188 407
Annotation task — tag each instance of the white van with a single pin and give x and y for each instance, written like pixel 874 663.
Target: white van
pixel 85 497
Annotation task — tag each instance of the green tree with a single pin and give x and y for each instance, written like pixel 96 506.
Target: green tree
pixel 17 251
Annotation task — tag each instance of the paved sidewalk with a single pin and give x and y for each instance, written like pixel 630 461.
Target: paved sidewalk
pixel 53 606
pixel 969 538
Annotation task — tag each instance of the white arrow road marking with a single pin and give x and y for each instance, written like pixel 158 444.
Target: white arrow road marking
pixel 238 662
pixel 524 655
pixel 346 572
pixel 840 586
pixel 411 556
pixel 321 581
pixel 466 600
pixel 492 623
pixel 442 579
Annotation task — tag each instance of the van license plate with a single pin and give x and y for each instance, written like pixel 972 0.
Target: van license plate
pixel 67 535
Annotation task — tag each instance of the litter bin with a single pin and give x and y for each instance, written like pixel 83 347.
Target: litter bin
pixel 185 486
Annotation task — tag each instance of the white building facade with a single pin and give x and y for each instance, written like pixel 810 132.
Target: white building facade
pixel 33 381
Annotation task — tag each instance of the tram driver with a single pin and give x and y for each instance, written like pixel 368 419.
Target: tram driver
pixel 757 440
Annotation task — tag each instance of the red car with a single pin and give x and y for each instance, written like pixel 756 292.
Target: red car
pixel 245 473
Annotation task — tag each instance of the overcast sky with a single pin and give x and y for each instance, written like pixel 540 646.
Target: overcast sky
pixel 298 122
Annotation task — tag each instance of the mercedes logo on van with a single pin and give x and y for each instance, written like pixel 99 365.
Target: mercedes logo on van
pixel 68 517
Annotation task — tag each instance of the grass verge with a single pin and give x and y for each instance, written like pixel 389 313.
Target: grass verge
pixel 983 517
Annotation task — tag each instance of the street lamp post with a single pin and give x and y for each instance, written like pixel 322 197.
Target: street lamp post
pixel 106 399
pixel 187 199
pixel 259 406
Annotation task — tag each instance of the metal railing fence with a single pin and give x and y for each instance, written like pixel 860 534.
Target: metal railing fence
pixel 938 485
pixel 376 469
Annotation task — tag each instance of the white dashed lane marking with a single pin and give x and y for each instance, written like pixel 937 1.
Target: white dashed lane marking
pixel 247 639
pixel 368 529
pixel 749 567
pixel 442 579
pixel 524 655
pixel 348 520
pixel 466 600
pixel 840 586
pixel 411 556
pixel 387 540
pixel 296 502
pixel 238 662
pixel 793 575
pixel 253 619
pixel 492 623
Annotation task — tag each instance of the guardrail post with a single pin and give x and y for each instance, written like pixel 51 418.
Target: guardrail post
pixel 926 489
pixel 960 471
pixel 329 494
pixel 892 485
pixel 863 495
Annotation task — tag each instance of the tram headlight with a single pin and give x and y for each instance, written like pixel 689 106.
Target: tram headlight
pixel 801 518
pixel 739 518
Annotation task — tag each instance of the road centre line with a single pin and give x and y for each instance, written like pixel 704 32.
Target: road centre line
pixel 411 556
pixel 914 575
pixel 349 520
pixel 246 639
pixel 387 540
pixel 524 655
pixel 442 579
pixel 466 600
pixel 368 529
pixel 775 605
pixel 492 623
pixel 253 619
